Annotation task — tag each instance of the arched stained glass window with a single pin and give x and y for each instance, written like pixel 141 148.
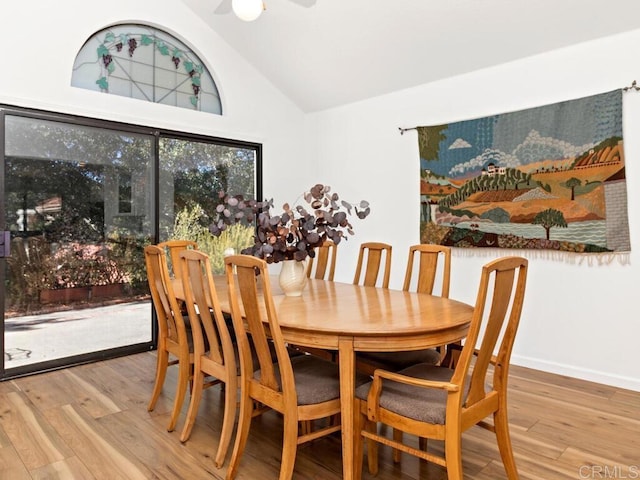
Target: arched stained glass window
pixel 143 62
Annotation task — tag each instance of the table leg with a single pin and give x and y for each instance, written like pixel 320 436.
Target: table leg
pixel 347 394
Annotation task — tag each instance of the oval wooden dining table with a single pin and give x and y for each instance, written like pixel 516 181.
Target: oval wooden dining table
pixel 352 318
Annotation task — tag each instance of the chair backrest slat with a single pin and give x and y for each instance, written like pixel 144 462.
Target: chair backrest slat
pixel 324 262
pixel 210 331
pixel 374 252
pixel 173 249
pixel 429 256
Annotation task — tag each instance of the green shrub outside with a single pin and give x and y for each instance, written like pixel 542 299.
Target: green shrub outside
pixel 188 226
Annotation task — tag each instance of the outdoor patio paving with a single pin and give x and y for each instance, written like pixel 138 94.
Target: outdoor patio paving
pixel 37 338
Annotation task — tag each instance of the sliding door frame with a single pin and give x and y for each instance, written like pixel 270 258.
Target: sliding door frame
pixel 155 134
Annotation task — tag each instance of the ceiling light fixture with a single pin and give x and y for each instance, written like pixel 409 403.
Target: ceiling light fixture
pixel 247 10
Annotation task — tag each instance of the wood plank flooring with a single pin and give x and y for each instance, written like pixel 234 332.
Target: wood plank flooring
pixel 91 422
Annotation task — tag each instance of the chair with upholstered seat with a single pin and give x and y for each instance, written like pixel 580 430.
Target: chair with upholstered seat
pixel 323 265
pixel 302 388
pixel 174 338
pixel 430 269
pixel 436 402
pixel 373 252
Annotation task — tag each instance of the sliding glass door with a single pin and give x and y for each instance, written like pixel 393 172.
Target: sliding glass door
pixel 78 206
pixel 191 176
pixel 80 200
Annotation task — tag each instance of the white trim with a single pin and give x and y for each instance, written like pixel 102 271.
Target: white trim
pixel 577 372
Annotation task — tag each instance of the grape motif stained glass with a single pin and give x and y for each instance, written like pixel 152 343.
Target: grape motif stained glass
pixel 146 63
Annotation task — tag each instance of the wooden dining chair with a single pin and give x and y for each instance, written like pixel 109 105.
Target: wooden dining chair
pixel 429 257
pixel 302 388
pixel 213 350
pixel 323 265
pixel 434 263
pixel 440 403
pixel 374 252
pixel 174 338
pixel 173 249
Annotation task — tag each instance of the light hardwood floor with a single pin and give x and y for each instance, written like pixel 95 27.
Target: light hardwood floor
pixel 91 422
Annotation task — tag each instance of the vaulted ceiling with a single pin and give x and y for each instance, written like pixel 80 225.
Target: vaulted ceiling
pixel 326 53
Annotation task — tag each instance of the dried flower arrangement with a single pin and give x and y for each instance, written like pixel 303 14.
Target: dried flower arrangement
pixel 294 233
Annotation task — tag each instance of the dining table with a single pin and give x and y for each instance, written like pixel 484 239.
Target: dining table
pixel 348 318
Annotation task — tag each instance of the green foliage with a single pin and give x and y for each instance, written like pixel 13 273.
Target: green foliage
pixel 550 218
pixel 429 139
pixel 103 83
pixel 573 182
pixel 511 179
pixel 128 253
pixel 162 48
pixel 188 226
pixel 608 142
pixel 458 212
pixel 37 265
pixel 588 187
pixel 497 215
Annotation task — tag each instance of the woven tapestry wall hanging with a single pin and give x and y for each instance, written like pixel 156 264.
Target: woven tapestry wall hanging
pixel 546 178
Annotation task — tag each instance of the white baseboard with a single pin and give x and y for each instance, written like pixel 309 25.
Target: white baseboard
pixel 576 372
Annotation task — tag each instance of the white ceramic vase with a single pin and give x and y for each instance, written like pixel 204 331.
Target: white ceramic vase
pixel 293 277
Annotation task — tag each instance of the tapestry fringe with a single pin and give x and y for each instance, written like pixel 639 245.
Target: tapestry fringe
pixel 590 259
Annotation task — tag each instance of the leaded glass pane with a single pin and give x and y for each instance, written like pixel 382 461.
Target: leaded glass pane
pixel 142 62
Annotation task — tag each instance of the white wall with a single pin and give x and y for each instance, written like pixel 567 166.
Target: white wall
pixel 580 320
pixel 42 38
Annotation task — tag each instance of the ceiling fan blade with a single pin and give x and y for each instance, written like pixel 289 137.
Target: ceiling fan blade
pixel 305 3
pixel 224 7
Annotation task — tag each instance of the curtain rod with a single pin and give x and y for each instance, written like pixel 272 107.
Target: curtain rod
pixel 634 86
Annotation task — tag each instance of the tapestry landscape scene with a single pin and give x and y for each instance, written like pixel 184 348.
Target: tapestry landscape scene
pixel 550 178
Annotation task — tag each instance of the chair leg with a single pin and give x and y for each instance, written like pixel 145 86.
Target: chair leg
pixel 230 403
pixel 358 445
pixel 161 373
pixel 194 403
pixel 244 424
pixel 372 448
pixel 453 455
pixel 289 447
pixel 397 436
pixel 501 424
pixel 184 374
